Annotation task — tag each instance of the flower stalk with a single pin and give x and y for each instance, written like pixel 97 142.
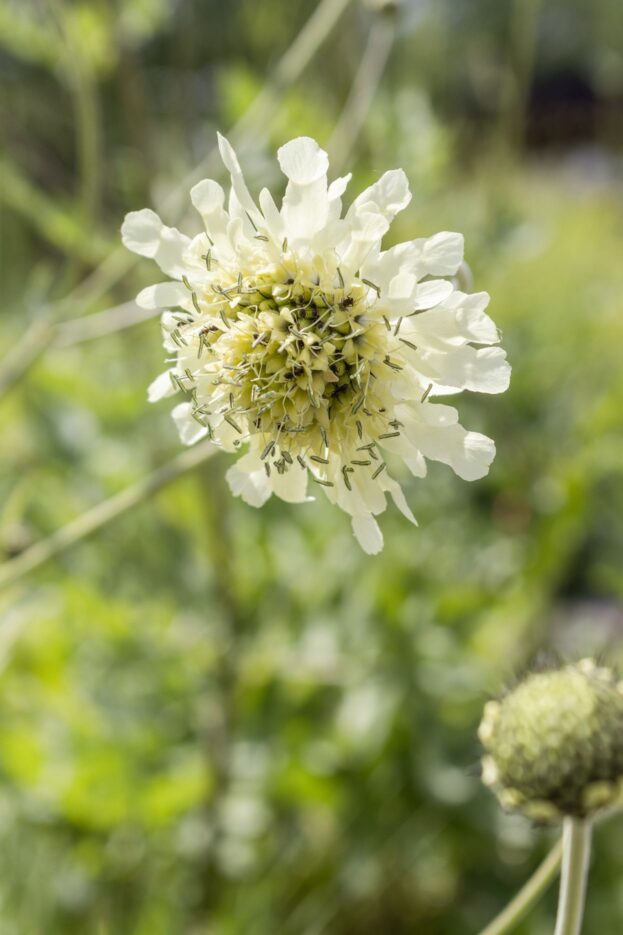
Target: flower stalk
pixel 574 876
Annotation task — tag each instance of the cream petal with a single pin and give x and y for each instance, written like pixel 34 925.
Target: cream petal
pixel 244 217
pixel 482 370
pixel 238 231
pixel 189 429
pixel 208 198
pixel 163 295
pixel 303 161
pixel 334 195
pixel 367 230
pixel 338 186
pixel 195 259
pixel 442 254
pixel 402 287
pixel 239 186
pixel 225 434
pixel 144 233
pixel 367 533
pixel 416 462
pixel 247 479
pixel 469 454
pixel 396 493
pixel 272 217
pixel 161 387
pixel 364 495
pixel 169 324
pixel 475 456
pixel 304 210
pixel 334 231
pixel 458 319
pixel 439 415
pixel 431 293
pixel 434 328
pixel 471 318
pixel 390 194
pixel 305 203
pixel 382 267
pixel 411 456
pixel 290 486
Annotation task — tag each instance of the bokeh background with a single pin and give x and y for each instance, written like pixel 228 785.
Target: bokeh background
pixel 216 720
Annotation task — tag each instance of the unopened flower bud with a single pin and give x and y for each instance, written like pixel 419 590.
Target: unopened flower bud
pixel 554 745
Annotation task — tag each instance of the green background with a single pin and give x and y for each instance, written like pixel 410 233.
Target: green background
pixel 216 720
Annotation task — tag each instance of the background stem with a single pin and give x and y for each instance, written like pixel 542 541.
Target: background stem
pixel 89 522
pixel 363 90
pixel 528 895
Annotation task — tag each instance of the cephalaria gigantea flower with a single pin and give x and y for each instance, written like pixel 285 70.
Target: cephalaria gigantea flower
pixel 293 334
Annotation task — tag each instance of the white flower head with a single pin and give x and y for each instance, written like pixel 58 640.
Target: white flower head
pixel 292 332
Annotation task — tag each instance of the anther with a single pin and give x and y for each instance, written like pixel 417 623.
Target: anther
pixel 372 286
pixel 233 424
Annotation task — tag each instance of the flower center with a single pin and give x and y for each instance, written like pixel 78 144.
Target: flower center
pixel 297 363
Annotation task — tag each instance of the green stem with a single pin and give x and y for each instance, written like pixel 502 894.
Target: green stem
pixel 515 84
pixel 576 835
pixel 25 354
pixel 44 333
pixel 364 88
pixel 265 105
pixel 74 331
pixel 51 221
pixel 222 678
pixel 81 83
pixel 528 895
pixel 102 514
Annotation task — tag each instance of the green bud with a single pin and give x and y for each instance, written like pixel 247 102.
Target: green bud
pixel 554 745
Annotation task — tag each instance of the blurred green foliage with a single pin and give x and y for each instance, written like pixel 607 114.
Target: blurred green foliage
pixel 220 720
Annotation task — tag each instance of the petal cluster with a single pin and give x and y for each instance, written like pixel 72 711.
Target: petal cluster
pixel 291 332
